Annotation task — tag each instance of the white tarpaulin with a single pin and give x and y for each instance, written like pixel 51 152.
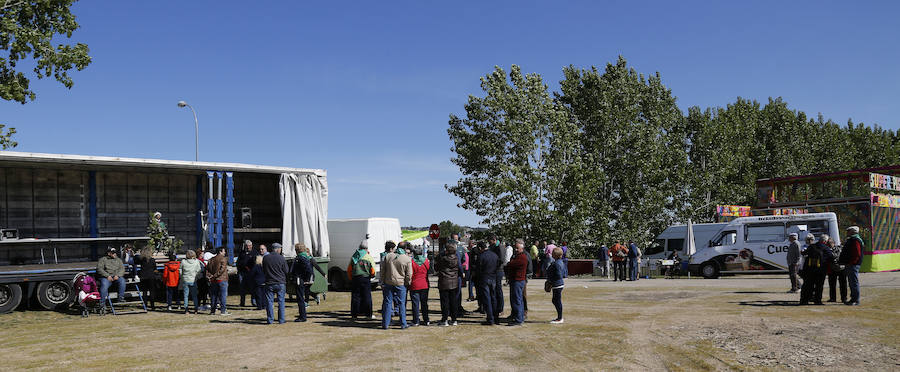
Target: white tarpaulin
pixel 304 213
pixel 690 247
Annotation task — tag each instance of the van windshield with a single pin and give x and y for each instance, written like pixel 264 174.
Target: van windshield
pixel 726 238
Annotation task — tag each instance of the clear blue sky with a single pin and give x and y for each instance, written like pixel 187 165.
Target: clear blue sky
pixel 364 89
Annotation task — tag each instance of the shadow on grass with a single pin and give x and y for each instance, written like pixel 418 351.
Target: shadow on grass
pixel 767 303
pixel 258 321
pixel 753 292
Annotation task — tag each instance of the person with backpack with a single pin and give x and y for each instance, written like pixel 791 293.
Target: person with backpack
pixel 360 270
pixel 418 287
pixel 190 268
pixel 851 258
pixel 171 280
pixel 813 272
pixel 619 254
pixel 555 283
pixel 835 273
pixel 302 270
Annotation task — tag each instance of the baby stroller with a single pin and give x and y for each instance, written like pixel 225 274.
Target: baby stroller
pixel 88 295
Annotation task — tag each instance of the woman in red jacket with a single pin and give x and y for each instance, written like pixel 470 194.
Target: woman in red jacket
pixel 170 279
pixel 418 286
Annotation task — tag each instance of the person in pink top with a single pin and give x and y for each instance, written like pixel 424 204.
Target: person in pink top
pixel 418 286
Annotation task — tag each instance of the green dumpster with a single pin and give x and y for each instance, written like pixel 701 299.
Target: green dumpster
pixel 320 280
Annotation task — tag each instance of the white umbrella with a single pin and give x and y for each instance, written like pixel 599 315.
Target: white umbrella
pixel 691 248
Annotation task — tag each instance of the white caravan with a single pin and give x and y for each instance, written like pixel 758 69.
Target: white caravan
pixel 672 239
pixel 344 236
pixel 758 245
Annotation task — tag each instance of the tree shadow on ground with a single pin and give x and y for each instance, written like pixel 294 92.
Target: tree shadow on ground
pixel 761 303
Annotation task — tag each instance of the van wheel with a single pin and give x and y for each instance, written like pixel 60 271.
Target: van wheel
pixel 337 279
pixel 55 295
pixel 710 270
pixel 10 297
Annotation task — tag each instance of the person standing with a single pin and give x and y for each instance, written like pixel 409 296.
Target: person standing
pixel 148 275
pixel 275 268
pixel 110 269
pixel 470 279
pixel 189 270
pixel 396 275
pixel 619 254
pixel 170 279
pixel 418 287
pixel 360 270
pixel 498 276
pixel 813 272
pixel 486 267
pixel 516 274
pixel 535 259
pixel 302 270
pixel 835 272
pixel 603 260
pixel 245 260
pixel 633 255
pixel 448 268
pixel 555 274
pixel 851 258
pixel 217 272
pixel 793 262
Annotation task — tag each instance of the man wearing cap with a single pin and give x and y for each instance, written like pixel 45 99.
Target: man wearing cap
pixel 793 261
pixel 110 269
pixel 851 257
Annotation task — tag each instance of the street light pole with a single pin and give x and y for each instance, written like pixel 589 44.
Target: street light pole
pixel 196 130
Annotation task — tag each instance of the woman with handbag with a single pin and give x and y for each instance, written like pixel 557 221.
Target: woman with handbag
pixel 555 274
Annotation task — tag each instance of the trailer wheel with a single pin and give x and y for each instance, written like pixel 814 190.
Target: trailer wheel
pixel 337 279
pixel 710 270
pixel 56 295
pixel 10 297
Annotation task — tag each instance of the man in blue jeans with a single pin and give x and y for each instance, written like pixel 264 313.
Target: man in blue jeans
pixel 275 268
pixel 110 269
pixel 633 255
pixel 396 275
pixel 516 271
pixel 851 256
pixel 217 273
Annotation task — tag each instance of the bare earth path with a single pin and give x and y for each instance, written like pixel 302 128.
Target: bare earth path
pixel 732 323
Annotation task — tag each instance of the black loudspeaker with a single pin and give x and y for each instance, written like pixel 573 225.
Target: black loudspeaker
pixel 246 218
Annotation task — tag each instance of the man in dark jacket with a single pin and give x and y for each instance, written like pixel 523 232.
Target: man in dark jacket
pixel 632 261
pixel 516 273
pixel 486 269
pixel 275 268
pixel 303 272
pixel 498 278
pixel 851 257
pixel 817 256
pixel 244 262
pixel 448 268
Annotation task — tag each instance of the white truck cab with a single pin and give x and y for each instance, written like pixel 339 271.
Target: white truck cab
pixel 758 245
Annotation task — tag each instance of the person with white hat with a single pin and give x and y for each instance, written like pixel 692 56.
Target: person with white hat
pixel 793 262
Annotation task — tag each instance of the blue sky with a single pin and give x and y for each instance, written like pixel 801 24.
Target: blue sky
pixel 364 89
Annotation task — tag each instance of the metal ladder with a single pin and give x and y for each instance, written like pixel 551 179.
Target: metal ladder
pixel 135 295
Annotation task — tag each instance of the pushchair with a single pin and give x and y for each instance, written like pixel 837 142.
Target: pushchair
pixel 89 299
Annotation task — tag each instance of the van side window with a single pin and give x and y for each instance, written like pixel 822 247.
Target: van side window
pixel 676 245
pixel 727 238
pixel 769 232
pixel 656 247
pixel 816 227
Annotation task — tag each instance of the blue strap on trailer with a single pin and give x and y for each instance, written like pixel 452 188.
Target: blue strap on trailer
pixel 229 213
pixel 219 207
pixel 210 210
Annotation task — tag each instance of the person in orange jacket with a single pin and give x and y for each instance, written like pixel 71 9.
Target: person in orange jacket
pixel 619 252
pixel 170 279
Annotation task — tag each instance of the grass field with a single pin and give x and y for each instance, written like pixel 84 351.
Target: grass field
pixel 726 324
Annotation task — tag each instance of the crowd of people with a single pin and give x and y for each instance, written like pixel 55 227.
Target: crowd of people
pixel 810 264
pixel 624 259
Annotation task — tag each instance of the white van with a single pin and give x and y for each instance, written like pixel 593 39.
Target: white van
pixel 672 239
pixel 344 236
pixel 758 245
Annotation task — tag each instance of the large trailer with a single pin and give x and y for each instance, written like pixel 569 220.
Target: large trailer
pixel 67 208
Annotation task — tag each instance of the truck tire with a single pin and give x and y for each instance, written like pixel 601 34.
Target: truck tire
pixel 56 295
pixel 337 279
pixel 710 270
pixel 10 297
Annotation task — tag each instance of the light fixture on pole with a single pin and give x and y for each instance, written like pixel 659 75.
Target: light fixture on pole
pixel 196 130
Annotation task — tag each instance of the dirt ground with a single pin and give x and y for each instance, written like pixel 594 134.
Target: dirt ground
pixel 732 323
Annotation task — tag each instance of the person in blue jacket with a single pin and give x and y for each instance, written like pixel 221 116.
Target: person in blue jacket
pixel 302 271
pixel 555 274
pixel 487 267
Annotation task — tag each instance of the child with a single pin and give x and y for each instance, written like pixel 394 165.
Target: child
pixel 170 279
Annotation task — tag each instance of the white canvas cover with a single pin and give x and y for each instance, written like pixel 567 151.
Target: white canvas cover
pixel 689 240
pixel 304 213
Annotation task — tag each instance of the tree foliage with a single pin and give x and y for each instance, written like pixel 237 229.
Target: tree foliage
pixel 611 156
pixel 27 32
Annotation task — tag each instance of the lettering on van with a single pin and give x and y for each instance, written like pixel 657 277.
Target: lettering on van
pixel 772 249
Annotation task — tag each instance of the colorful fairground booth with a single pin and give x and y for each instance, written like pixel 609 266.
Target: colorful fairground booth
pixel 868 198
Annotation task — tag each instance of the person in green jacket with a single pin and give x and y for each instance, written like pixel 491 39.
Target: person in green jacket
pixel 360 270
pixel 110 269
pixel 190 267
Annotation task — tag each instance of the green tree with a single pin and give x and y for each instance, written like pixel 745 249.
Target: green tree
pixel 27 31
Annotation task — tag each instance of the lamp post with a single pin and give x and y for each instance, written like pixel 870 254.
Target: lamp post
pixel 196 130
